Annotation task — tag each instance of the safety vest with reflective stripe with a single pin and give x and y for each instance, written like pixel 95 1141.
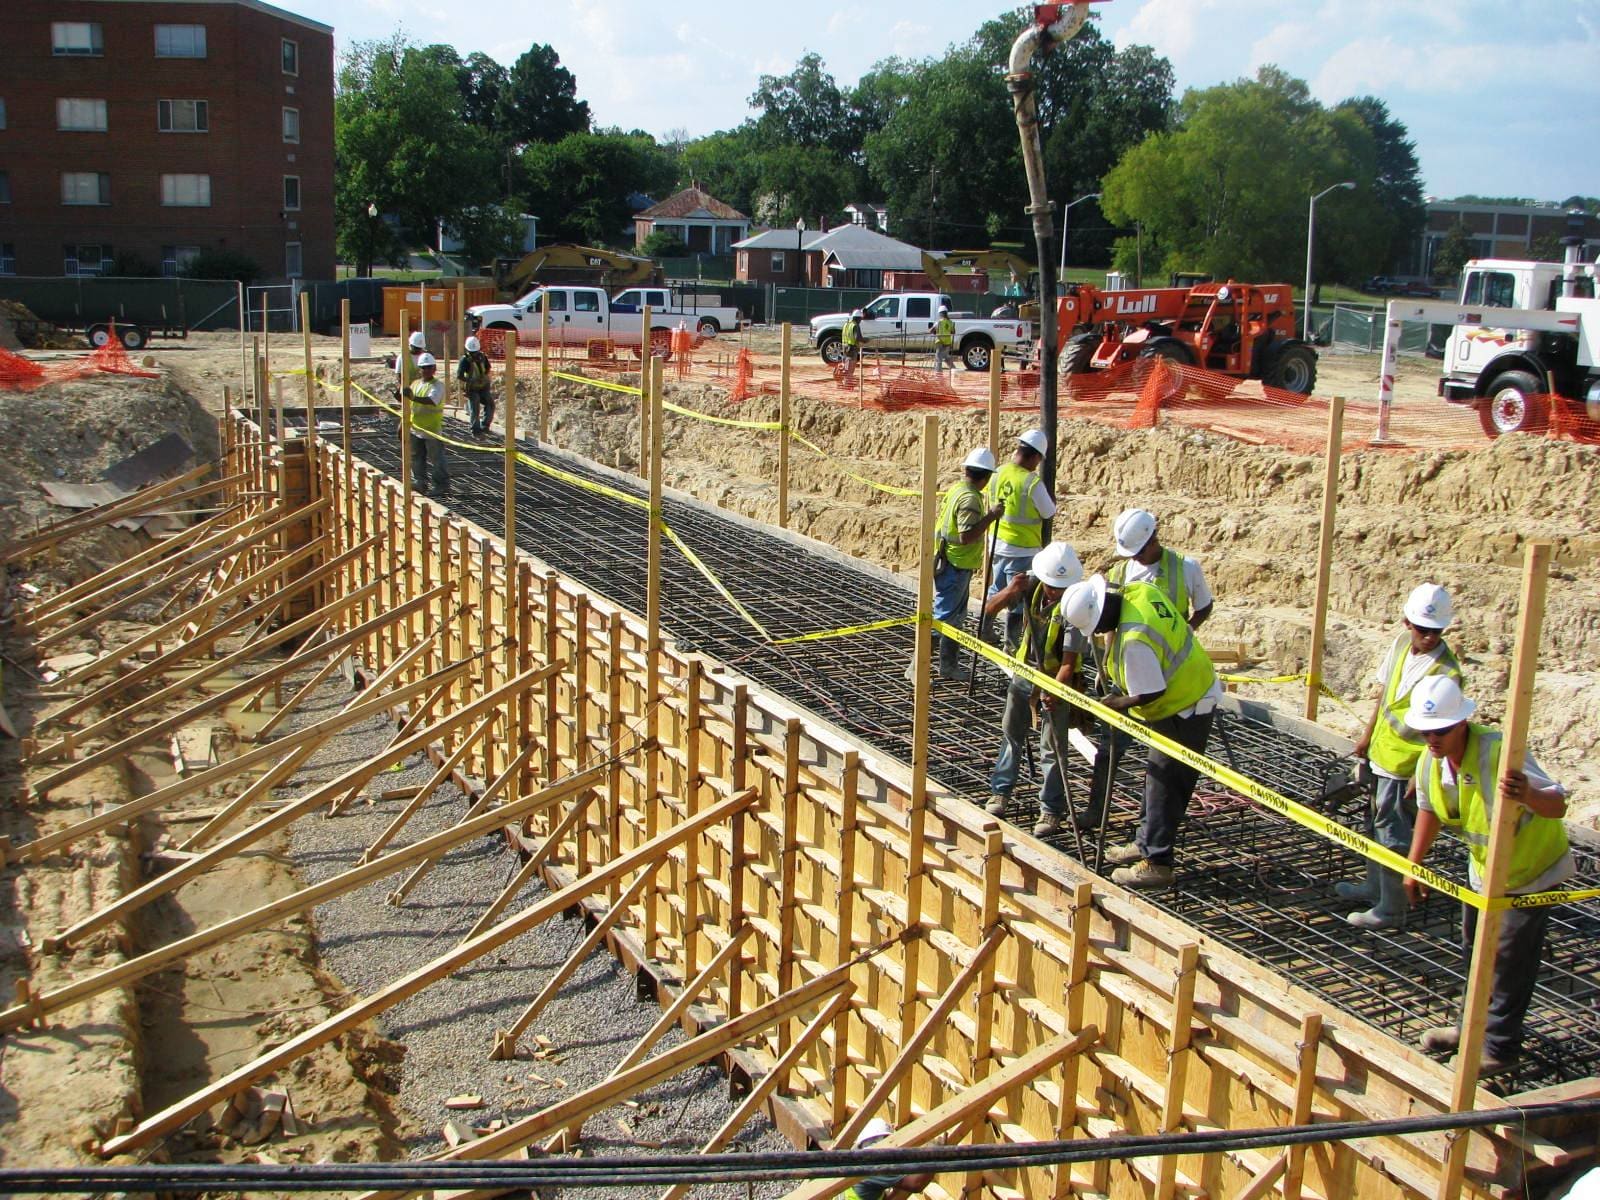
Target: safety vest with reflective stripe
pixel 1169 578
pixel 1149 618
pixel 475 369
pixel 426 415
pixel 970 556
pixel 1041 629
pixel 1395 747
pixel 1020 524
pixel 946 331
pixel 1467 806
pixel 852 332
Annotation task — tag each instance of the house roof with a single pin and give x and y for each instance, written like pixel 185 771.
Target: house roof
pixel 855 247
pixel 780 239
pixel 692 202
pixel 865 206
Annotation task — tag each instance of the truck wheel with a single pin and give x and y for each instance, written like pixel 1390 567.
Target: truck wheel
pixel 831 348
pixel 1293 369
pixel 661 344
pixel 1169 348
pixel 99 335
pixel 1515 403
pixel 502 325
pixel 1075 358
pixel 708 327
pixel 976 352
pixel 132 337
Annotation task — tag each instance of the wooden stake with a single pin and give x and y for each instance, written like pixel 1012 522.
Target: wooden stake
pixel 509 416
pixel 405 408
pixel 652 647
pixel 996 386
pixel 849 804
pixel 1502 835
pixel 785 417
pixel 788 852
pixel 693 725
pixel 922 699
pixel 1305 1086
pixel 178 1113
pixel 311 375
pixel 1076 994
pixel 344 392
pixel 646 381
pixel 1179 1036
pixel 544 375
pixel 1330 498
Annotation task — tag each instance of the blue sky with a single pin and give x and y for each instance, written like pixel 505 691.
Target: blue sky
pixel 1501 99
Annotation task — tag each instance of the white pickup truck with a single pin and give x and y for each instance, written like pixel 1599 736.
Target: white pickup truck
pixel 905 321
pixel 578 316
pixel 707 320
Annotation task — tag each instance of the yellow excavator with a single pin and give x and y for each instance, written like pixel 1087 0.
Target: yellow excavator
pixel 563 262
pixel 1000 264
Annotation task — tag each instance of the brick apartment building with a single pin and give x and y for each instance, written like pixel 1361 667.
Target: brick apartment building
pixel 158 128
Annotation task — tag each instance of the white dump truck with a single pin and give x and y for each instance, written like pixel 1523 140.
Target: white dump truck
pixel 905 321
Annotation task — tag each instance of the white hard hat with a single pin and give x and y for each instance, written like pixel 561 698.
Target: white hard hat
pixel 877 1129
pixel 856 313
pixel 1437 703
pixel 1056 566
pixel 1429 606
pixel 1084 602
pixel 944 308
pixel 980 460
pixel 1037 440
pixel 416 341
pixel 1133 531
pixel 426 360
pixel 473 345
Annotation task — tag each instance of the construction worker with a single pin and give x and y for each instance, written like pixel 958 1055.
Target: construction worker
pixel 1455 790
pixel 962 521
pixel 1159 673
pixel 1143 559
pixel 1049 645
pixel 427 423
pixel 472 372
pixel 414 346
pixel 944 334
pixel 1392 748
pixel 884 1187
pixel 850 338
pixel 1027 505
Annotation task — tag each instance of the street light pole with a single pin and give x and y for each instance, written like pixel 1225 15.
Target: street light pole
pixel 1066 212
pixel 1311 232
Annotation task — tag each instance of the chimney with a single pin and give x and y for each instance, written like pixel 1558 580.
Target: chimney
pixel 823 227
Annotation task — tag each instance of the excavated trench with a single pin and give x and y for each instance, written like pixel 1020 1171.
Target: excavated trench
pixel 1246 876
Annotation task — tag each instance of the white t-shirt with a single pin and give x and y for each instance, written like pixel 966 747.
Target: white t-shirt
pixel 1144 676
pixel 1556 873
pixel 1046 508
pixel 1413 673
pixel 1194 580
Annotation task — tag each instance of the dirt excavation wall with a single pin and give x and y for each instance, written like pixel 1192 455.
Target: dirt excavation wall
pixel 1249 513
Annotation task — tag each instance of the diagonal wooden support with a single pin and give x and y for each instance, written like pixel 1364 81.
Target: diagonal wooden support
pixel 204 610
pixel 168 492
pixel 306 898
pixel 686 997
pixel 770 1082
pixel 221 699
pixel 425 792
pixel 553 841
pixel 249 836
pixel 1305 1086
pixel 911 1052
pixel 505 1041
pixel 176 1114
pixel 184 580
pixel 271 685
pixel 975 1101
pixel 370 706
pixel 482 802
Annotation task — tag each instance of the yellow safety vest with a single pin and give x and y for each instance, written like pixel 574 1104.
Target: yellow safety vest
pixel 1020 524
pixel 852 332
pixel 1467 806
pixel 1042 629
pixel 1395 748
pixel 1169 578
pixel 970 556
pixel 946 329
pixel 1148 617
pixel 425 415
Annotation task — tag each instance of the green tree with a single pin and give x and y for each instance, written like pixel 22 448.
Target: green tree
pixel 804 108
pixel 1397 179
pixel 800 182
pixel 487 231
pixel 538 100
pixel 482 83
pixel 663 243
pixel 727 164
pixel 1453 253
pixel 580 185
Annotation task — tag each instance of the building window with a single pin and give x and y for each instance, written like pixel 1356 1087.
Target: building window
pixel 182 116
pixel 291 57
pixel 291 124
pixel 175 258
pixel 2 114
pixel 5 187
pixel 76 37
pixel 85 259
pixel 186 191
pixel 180 41
pixel 85 187
pixel 81 116
pixel 779 261
pixel 8 258
pixel 293 261
pixel 291 193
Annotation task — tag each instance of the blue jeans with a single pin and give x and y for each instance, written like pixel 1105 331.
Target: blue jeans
pixel 426 452
pixel 1394 814
pixel 952 587
pixel 1014 729
pixel 1007 568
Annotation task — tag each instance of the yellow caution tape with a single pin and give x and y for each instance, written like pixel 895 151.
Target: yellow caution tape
pixel 696 562
pixel 606 384
pixel 846 631
pixel 1322 688
pixel 700 416
pixel 890 488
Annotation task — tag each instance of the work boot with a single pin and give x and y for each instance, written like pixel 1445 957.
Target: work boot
pixel 1373 918
pixel 1048 825
pixel 1390 910
pixel 1361 891
pixel 950 662
pixel 1440 1039
pixel 1087 822
pixel 997 805
pixel 1493 1062
pixel 1143 874
pixel 1121 856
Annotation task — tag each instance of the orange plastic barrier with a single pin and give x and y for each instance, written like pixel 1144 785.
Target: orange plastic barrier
pixel 19 374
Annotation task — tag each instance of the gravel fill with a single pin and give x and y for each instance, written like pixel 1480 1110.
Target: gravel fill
pixel 448 1028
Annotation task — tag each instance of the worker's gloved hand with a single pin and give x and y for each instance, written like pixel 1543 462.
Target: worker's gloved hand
pixel 1415 889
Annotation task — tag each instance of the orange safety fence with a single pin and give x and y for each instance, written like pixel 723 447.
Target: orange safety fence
pixel 20 374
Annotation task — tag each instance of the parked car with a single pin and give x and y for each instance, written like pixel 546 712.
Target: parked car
pixel 578 316
pixel 905 321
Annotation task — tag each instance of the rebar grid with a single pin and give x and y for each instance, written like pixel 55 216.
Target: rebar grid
pixel 1247 876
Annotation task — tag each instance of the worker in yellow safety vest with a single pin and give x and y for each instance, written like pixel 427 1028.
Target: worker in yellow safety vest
pixel 427 424
pixel 944 339
pixel 1159 673
pixel 1026 508
pixel 850 339
pixel 473 373
pixel 1456 790
pixel 884 1187
pixel 1392 748
pixel 959 534
pixel 1143 559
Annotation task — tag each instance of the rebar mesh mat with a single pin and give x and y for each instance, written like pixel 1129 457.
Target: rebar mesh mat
pixel 1245 875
